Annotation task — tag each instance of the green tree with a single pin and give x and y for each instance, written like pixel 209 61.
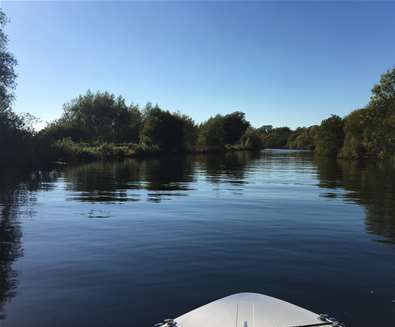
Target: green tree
pixel 329 137
pixel 370 132
pixel 7 68
pixel 212 134
pixel 234 125
pixel 167 131
pixel 384 91
pixel 16 131
pixel 100 117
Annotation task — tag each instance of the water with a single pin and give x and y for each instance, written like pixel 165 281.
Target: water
pixel 132 243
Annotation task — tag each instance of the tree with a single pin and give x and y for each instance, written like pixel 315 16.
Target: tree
pixel 370 131
pixel 7 65
pixel 15 130
pixel 212 133
pixel 234 126
pixel 384 91
pixel 101 117
pixel 329 137
pixel 167 131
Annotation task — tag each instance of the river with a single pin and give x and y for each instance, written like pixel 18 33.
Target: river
pixel 131 243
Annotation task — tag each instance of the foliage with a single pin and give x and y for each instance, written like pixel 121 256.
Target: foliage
pixel 219 131
pixel 68 151
pixel 15 130
pixel 370 132
pixel 212 133
pixel 329 136
pixel 275 137
pixel 252 139
pixel 302 138
pixel 101 125
pixel 168 131
pixel 234 126
pixel 100 117
pixel 7 65
pixel 384 91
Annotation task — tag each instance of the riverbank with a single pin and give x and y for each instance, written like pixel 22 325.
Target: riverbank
pixel 66 151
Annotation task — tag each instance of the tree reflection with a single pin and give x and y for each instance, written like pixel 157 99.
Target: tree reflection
pixel 115 182
pixel 15 196
pixel 370 184
pixel 227 167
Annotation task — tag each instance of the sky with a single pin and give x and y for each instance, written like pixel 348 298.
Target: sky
pixel 282 63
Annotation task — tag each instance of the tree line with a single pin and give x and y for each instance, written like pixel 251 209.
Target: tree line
pixel 101 125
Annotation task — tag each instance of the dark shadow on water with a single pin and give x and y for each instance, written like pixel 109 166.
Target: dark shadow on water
pixel 121 181
pixel 16 197
pixel 369 184
pixel 230 167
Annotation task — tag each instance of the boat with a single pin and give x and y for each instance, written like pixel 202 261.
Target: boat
pixel 250 310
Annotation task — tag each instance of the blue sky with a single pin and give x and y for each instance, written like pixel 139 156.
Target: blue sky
pixel 282 63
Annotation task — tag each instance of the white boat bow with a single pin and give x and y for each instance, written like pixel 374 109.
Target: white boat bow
pixel 250 310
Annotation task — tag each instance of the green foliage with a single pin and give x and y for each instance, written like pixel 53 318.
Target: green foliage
pixel 384 91
pixel 234 126
pixel 170 132
pixel 275 137
pixel 68 151
pixel 370 132
pixel 7 65
pixel 329 136
pixel 97 126
pixel 100 117
pixel 219 131
pixel 252 139
pixel 15 130
pixel 212 134
pixel 302 138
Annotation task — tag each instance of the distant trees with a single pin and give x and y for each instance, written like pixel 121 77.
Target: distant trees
pixel 275 137
pixel 302 138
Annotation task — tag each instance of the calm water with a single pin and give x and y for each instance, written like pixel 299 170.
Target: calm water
pixel 131 243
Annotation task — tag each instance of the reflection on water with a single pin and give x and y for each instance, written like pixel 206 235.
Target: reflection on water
pixel 255 187
pixel 17 192
pixel 370 184
pixel 120 181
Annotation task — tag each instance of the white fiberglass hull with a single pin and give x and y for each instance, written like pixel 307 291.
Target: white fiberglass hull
pixel 248 310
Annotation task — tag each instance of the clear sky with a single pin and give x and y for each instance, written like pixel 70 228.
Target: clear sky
pixel 282 63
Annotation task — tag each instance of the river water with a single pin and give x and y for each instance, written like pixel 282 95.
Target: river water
pixel 131 243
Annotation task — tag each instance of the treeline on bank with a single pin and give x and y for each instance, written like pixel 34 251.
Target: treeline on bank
pixel 101 126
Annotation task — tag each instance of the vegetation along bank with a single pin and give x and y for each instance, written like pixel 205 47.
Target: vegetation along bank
pixel 101 125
